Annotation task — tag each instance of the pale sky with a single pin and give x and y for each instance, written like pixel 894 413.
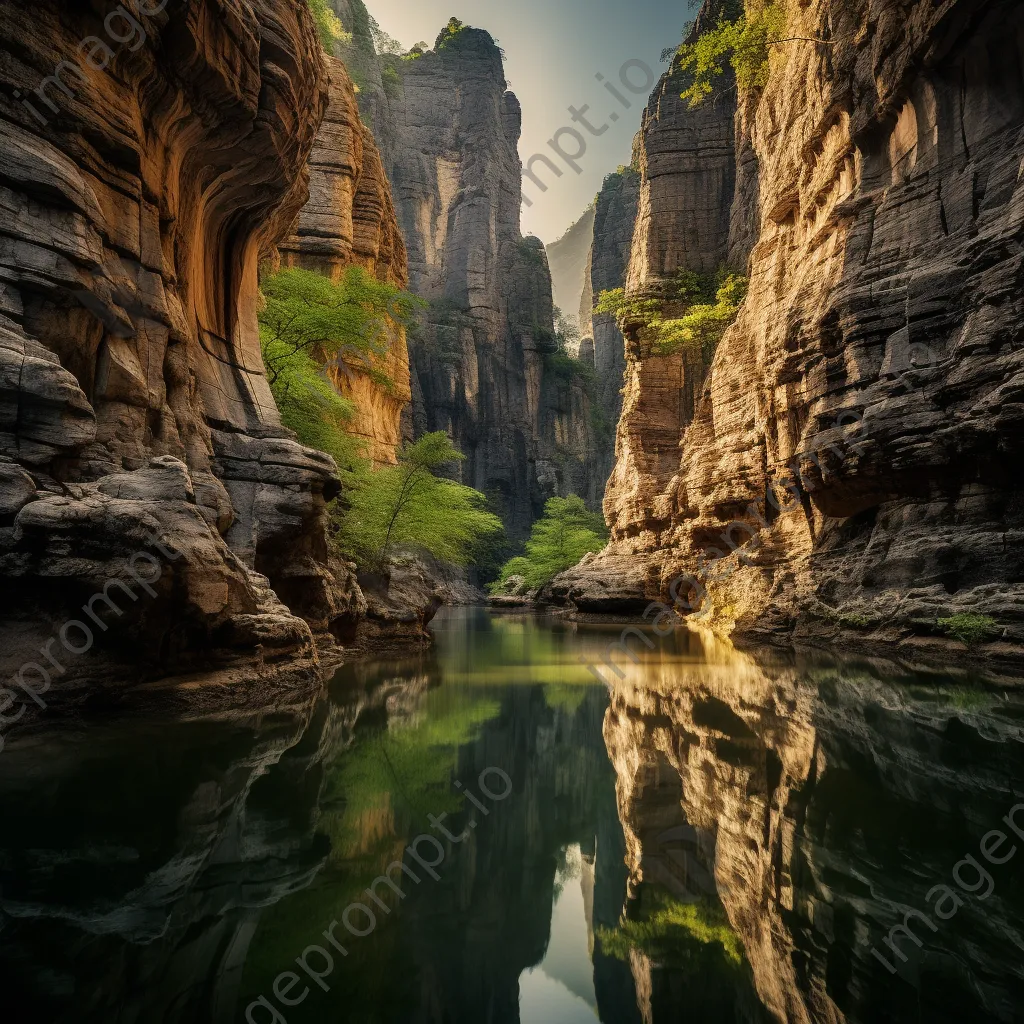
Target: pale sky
pixel 553 50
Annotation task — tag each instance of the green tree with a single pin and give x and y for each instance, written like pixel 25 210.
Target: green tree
pixel 343 323
pixel 408 505
pixel 328 24
pixel 308 321
pixel 713 303
pixel 567 531
pixel 744 42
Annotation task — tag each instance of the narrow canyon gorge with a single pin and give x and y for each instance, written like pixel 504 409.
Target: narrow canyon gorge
pixel 329 495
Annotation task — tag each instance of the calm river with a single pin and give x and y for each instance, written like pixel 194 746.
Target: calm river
pixel 487 834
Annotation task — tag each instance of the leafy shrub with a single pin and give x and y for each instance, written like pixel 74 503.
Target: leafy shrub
pixel 971 630
pixel 449 33
pixel 409 506
pixel 713 303
pixel 687 936
pixel 307 321
pixel 346 323
pixel 390 79
pixel 744 42
pixel 567 531
pixel 328 24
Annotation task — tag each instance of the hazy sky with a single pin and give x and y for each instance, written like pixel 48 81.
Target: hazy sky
pixel 553 50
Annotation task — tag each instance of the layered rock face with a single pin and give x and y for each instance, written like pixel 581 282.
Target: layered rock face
pixel 142 181
pixel 482 358
pixel 873 371
pixel 350 221
pixel 614 222
pixel 817 803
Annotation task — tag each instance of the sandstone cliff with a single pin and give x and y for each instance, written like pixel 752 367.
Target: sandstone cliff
pixel 139 197
pixel 484 366
pixel 873 372
pixel 350 221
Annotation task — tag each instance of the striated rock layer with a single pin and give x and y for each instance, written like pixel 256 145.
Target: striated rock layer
pixel 485 367
pixel 138 194
pixel 859 427
pixel 614 222
pixel 350 221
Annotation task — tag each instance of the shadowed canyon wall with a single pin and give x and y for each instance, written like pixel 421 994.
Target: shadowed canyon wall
pixel 484 364
pixel 872 374
pixel 614 223
pixel 133 401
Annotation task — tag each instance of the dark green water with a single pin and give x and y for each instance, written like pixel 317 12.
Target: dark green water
pixel 713 836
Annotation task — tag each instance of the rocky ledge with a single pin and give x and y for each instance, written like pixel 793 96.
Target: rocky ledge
pixel 138 195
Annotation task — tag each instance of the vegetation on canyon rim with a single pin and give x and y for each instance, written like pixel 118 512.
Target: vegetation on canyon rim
pixel 712 303
pixel 308 320
pixel 328 24
pixel 566 532
pixel 744 41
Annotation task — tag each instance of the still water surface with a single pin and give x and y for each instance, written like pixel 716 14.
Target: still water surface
pixel 714 836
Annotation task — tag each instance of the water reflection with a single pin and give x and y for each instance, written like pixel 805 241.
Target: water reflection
pixel 713 835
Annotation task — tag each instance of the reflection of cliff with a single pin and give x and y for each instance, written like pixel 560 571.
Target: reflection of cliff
pixel 820 805
pixel 137 902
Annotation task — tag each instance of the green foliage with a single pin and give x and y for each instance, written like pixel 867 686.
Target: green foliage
pixel 306 321
pixel 311 407
pixel 449 33
pixel 713 303
pixel 567 531
pixel 703 325
pixel 688 936
pixel 328 24
pixel 971 630
pixel 390 79
pixel 745 43
pixel 408 506
pixel 344 323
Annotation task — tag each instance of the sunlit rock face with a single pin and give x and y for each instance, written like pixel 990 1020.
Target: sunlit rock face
pixel 820 804
pixel 875 184
pixel 133 400
pixel 350 221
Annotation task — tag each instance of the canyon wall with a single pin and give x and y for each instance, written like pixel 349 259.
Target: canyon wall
pixel 141 185
pixel 480 357
pixel 350 221
pixel 857 431
pixel 485 367
pixel 568 259
pixel 614 223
